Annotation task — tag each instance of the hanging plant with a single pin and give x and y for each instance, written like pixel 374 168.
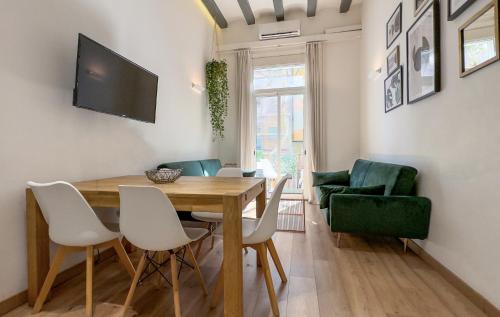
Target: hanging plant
pixel 218 93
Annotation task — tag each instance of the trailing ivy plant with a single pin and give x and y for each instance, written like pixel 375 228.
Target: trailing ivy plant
pixel 218 93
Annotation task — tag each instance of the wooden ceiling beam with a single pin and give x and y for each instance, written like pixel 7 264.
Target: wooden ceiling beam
pixel 279 10
pixel 345 5
pixel 215 12
pixel 311 7
pixel 247 11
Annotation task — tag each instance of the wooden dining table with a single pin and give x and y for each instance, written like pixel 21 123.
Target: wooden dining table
pixel 214 194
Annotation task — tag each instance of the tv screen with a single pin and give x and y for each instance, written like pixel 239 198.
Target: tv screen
pixel 109 83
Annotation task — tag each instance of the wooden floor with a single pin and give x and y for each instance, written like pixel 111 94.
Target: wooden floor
pixel 366 277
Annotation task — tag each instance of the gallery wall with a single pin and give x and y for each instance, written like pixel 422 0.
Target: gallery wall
pixel 450 137
pixel 44 138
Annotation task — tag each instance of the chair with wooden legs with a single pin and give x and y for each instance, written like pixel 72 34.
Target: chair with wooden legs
pixel 149 221
pixel 74 227
pixel 257 234
pixel 213 219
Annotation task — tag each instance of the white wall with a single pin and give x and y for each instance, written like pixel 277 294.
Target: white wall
pixel 341 85
pixel 452 138
pixel 44 138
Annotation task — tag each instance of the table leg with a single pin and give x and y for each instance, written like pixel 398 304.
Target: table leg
pixel 233 259
pixel 38 247
pixel 260 207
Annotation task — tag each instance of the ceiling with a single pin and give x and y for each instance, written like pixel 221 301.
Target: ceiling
pixel 232 11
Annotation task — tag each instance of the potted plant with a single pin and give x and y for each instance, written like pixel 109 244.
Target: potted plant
pixel 218 93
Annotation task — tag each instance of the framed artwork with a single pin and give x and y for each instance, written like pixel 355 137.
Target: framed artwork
pixel 394 25
pixel 420 5
pixel 393 60
pixel 457 7
pixel 479 40
pixel 423 65
pixel 393 90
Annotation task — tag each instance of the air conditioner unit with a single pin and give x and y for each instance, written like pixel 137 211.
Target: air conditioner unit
pixel 279 30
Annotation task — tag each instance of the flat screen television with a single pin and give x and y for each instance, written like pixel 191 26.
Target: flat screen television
pixel 109 83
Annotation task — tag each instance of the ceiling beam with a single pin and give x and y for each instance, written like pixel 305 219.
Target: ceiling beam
pixel 311 7
pixel 345 5
pixel 214 11
pixel 247 11
pixel 279 11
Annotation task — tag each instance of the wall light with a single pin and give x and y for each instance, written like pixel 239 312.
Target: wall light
pixel 198 88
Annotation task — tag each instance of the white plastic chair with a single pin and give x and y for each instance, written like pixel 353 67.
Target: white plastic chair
pixel 214 218
pixel 149 221
pixel 257 234
pixel 74 227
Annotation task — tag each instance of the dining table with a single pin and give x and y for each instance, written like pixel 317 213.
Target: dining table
pixel 188 193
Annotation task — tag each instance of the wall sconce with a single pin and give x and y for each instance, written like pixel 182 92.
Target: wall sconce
pixel 198 88
pixel 375 73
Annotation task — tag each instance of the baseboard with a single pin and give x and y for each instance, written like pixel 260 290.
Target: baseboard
pixel 20 299
pixel 13 302
pixel 482 303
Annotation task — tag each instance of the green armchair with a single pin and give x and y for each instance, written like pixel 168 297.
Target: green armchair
pixel 397 212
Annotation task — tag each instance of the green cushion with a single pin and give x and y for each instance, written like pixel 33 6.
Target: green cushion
pixel 335 178
pixel 189 168
pixel 369 190
pixel 398 179
pixel 211 167
pixel 326 191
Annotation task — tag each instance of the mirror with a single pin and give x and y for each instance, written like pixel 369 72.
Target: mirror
pixel 479 41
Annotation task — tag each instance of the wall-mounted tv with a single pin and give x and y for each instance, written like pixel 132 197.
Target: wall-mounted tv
pixel 107 82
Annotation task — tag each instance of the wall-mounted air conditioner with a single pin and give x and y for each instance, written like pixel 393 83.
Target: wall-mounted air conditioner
pixel 279 30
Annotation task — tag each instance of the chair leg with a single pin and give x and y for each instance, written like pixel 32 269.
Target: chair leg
pixel 276 260
pixel 49 280
pixel 198 249
pixel 124 259
pixel 262 251
pixel 212 234
pixel 197 269
pixel 218 288
pixel 88 284
pixel 137 276
pixel 405 246
pixel 175 285
pixel 339 237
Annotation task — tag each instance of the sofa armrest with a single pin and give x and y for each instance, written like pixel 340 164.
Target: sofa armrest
pixel 330 178
pixel 397 216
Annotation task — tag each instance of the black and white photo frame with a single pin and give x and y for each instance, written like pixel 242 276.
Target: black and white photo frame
pixel 423 57
pixel 393 90
pixel 394 26
pixel 419 5
pixel 457 7
pixel 393 60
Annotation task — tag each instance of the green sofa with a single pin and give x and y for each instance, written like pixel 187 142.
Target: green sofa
pixel 395 211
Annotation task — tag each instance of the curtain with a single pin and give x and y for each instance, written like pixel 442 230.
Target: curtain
pixel 245 108
pixel 314 126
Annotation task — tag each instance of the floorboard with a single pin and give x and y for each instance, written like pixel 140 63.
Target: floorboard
pixel 367 276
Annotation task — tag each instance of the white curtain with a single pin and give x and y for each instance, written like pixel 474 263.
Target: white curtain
pixel 314 125
pixel 244 78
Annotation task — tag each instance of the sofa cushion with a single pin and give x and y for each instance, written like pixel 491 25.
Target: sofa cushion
pixel 189 168
pixel 369 190
pixel 398 179
pixel 211 167
pixel 335 178
pixel 326 191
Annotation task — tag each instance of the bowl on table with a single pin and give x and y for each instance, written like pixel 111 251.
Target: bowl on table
pixel 163 175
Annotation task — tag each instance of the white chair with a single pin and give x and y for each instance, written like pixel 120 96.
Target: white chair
pixel 74 227
pixel 149 221
pixel 257 234
pixel 214 218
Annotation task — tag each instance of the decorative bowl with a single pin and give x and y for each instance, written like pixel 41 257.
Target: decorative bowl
pixel 163 175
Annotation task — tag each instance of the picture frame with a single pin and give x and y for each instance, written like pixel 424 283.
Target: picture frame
pixel 423 58
pixel 393 60
pixel 479 40
pixel 394 26
pixel 457 7
pixel 393 90
pixel 419 5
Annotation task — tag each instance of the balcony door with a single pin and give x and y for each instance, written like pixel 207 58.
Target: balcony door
pixel 279 103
